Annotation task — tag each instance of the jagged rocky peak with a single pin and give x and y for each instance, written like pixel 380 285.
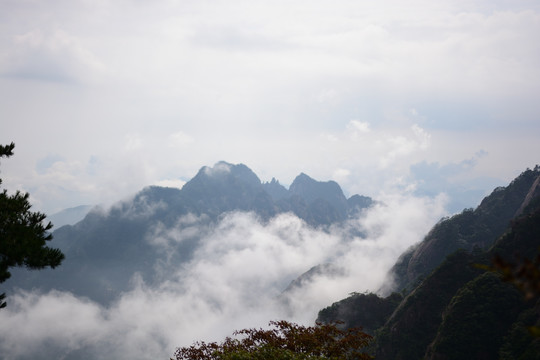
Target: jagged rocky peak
pixel 223 170
pixel 276 190
pixel 359 202
pixel 227 187
pixel 312 190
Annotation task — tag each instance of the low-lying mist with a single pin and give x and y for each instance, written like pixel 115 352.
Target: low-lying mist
pixel 236 279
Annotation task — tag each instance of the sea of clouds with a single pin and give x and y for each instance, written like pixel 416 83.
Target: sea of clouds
pixel 235 279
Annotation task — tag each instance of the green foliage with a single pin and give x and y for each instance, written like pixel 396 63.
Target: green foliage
pixel 524 274
pixel 480 227
pixel 413 325
pixel 285 341
pixel 476 320
pixel 268 352
pixel 520 343
pixel 366 310
pixel 459 312
pixel 452 309
pixel 23 235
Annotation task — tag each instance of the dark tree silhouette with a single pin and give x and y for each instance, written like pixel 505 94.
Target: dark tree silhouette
pixel 23 233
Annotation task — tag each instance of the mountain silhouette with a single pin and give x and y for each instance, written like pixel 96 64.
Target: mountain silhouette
pixel 105 249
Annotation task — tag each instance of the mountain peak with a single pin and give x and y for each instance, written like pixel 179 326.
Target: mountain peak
pixel 312 190
pixel 276 190
pixel 224 171
pixel 221 167
pixel 303 178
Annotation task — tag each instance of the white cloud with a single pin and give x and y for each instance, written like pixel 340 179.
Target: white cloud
pixel 234 281
pixel 341 175
pixel 422 135
pixel 133 142
pixel 219 168
pixel 180 139
pixel 397 147
pixel 173 183
pixel 50 56
pixel 76 321
pixel 357 128
pixel 328 96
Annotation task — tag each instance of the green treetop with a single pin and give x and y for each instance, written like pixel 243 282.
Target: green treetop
pixel 285 341
pixel 23 233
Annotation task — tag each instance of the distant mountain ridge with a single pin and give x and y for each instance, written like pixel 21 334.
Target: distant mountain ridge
pixel 69 216
pixel 106 248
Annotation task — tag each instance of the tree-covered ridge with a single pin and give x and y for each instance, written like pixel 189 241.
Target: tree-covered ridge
pixel 476 320
pixel 367 309
pixel 459 310
pixel 471 228
pixel 410 329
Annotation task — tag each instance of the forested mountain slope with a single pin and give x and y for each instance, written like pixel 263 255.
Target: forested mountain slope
pixel 471 228
pixel 460 311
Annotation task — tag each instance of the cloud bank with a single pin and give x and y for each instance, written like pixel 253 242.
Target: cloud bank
pixel 235 280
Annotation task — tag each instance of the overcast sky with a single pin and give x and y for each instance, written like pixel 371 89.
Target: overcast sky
pixel 105 97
